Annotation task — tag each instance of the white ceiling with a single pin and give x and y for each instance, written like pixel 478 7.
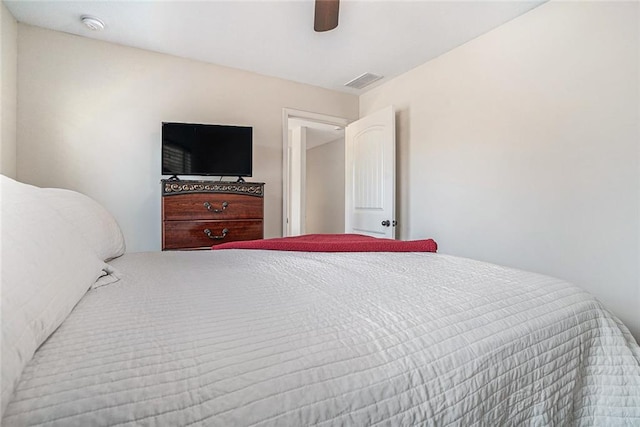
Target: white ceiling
pixel 276 38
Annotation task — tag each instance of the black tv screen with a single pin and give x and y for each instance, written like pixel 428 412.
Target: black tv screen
pixel 200 149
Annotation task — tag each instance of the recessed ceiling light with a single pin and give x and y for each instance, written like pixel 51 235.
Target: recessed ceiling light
pixel 92 23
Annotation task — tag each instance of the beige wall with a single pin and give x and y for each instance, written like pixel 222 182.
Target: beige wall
pixel 521 148
pixel 325 188
pixel 90 119
pixel 8 90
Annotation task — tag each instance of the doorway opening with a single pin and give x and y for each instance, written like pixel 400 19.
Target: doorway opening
pixel 313 173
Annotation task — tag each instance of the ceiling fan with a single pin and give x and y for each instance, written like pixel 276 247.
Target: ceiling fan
pixel 326 16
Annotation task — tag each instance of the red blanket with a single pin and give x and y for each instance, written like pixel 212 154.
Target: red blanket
pixel 334 243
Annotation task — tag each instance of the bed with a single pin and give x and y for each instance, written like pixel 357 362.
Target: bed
pixel 258 337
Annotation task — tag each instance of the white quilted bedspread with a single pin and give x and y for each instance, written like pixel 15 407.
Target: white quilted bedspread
pixel 243 338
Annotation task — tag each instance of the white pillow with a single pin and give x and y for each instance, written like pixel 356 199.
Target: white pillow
pixel 46 268
pixel 94 223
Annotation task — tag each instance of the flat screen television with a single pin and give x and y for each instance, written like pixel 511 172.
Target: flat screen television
pixel 203 149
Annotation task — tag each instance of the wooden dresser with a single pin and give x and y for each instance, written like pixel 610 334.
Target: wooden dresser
pixel 199 214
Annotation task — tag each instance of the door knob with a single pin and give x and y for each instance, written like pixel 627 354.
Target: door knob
pixel 386 223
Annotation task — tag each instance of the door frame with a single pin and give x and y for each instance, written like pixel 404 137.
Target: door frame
pixel 290 113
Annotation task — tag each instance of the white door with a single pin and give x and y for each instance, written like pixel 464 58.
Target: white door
pixel 370 175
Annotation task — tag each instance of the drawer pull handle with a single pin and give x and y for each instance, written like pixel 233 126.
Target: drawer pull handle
pixel 214 210
pixel 211 236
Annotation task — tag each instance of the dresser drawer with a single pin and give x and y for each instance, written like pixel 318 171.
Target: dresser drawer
pixel 192 234
pixel 211 206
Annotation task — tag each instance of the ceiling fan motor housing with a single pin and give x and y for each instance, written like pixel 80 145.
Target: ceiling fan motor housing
pixel 326 16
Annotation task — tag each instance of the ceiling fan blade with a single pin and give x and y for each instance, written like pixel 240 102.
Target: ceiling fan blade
pixel 326 17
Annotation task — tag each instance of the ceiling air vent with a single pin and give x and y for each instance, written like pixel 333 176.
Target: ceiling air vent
pixel 363 80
